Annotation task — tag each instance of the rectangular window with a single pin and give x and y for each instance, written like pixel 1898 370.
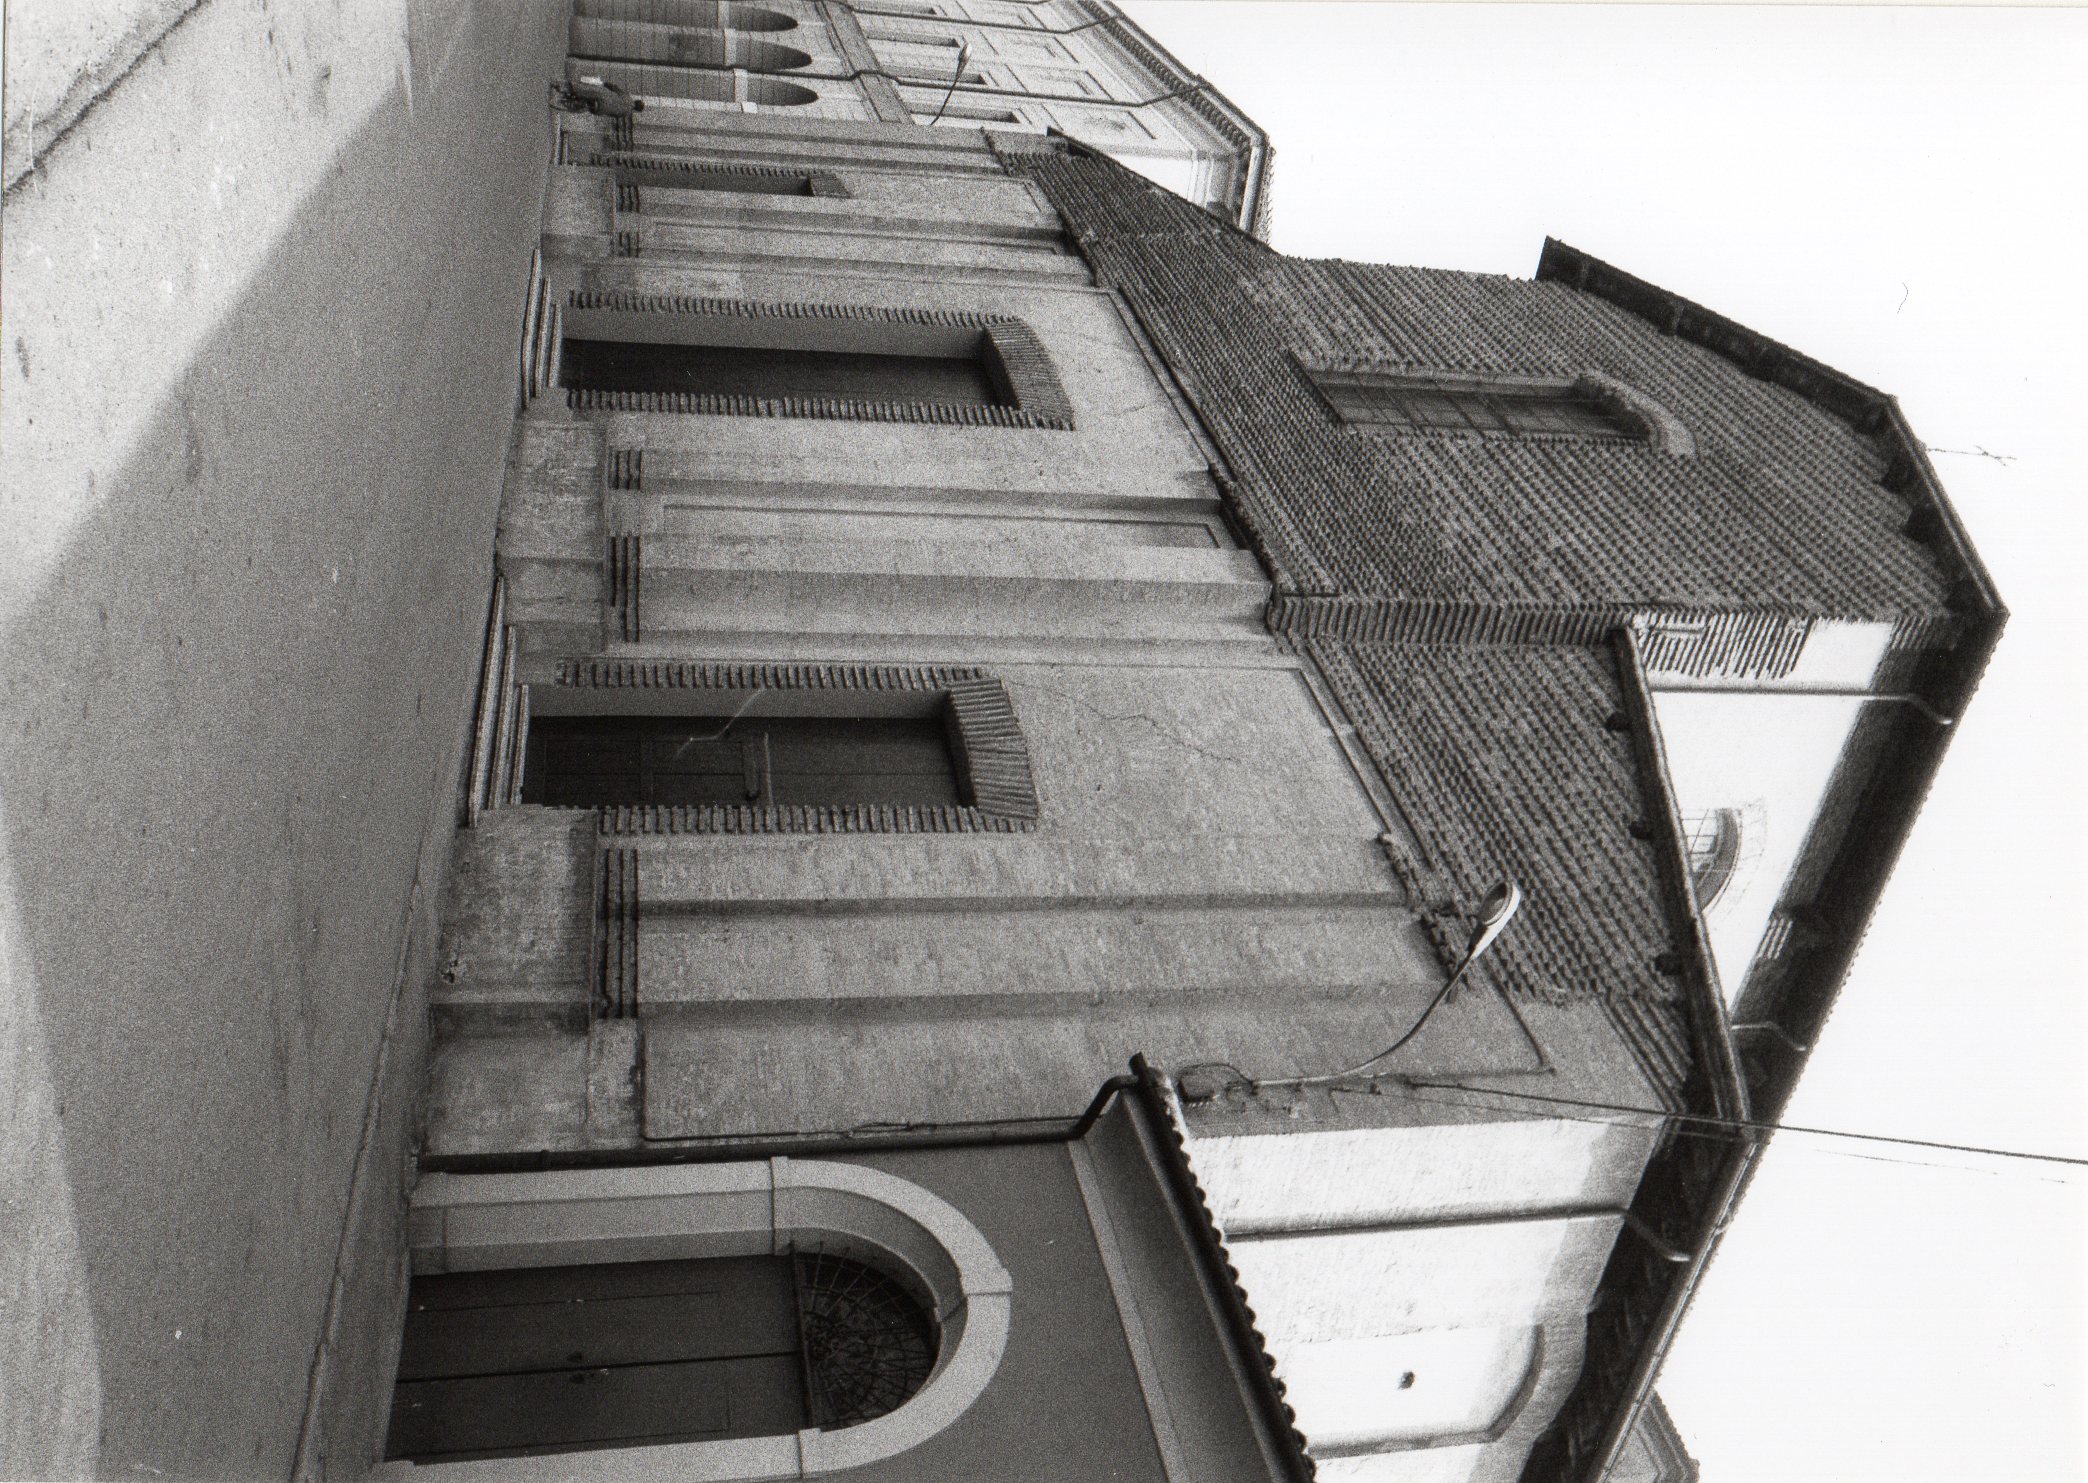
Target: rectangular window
pixel 616 761
pixel 968 113
pixel 921 38
pixel 1427 405
pixel 754 371
pixel 626 352
pixel 777 183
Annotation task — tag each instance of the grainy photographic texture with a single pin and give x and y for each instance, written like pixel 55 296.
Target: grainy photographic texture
pixel 737 745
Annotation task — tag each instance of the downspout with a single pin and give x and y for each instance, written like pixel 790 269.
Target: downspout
pixel 1725 1090
pixel 1645 1372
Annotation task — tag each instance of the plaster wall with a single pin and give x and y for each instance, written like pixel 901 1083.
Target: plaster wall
pixel 885 198
pixel 1770 757
pixel 1065 1336
pixel 1449 1171
pixel 1356 1284
pixel 1423 1288
pixel 1194 1390
pixel 1126 437
pixel 804 527
pixel 239 632
pixel 1206 868
pixel 1052 70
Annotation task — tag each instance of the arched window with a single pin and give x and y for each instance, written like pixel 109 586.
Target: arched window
pixel 1591 406
pixel 736 85
pixel 868 1347
pixel 595 42
pixel 720 14
pixel 1714 840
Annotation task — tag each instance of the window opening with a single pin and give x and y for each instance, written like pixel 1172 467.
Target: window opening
pixel 668 82
pixel 761 371
pixel 925 75
pixel 868 1345
pixel 970 113
pixel 1435 406
pixel 769 761
pixel 690 13
pixel 598 42
pixel 742 183
pixel 668 353
pixel 913 39
pixel 1713 841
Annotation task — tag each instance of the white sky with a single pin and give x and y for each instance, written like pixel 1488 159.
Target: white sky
pixel 1898 193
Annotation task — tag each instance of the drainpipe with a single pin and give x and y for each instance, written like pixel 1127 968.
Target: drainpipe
pixel 1653 1352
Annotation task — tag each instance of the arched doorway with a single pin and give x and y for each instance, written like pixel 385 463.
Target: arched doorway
pixel 749 1320
pixel 533 1360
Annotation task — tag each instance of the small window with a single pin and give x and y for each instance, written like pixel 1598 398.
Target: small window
pixel 678 84
pixel 868 1345
pixel 967 113
pixel 1714 840
pixel 915 39
pixel 778 183
pixel 686 747
pixel 766 762
pixel 598 41
pixel 1419 404
pixel 677 173
pixel 726 14
pixel 926 75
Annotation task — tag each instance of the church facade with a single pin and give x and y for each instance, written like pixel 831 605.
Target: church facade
pixel 1089 851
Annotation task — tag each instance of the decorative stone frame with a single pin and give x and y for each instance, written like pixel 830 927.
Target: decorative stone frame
pixel 1009 351
pixel 1661 429
pixel 467 1223
pixel 986 742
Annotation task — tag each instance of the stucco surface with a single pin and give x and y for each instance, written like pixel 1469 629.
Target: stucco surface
pixel 259 370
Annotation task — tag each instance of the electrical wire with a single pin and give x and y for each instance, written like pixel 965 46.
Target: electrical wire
pixel 1639 1120
pixel 1753 1125
pixel 730 721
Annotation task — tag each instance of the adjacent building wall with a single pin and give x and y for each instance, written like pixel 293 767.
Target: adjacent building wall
pixel 262 299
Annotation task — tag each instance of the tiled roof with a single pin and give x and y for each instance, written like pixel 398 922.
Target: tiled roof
pixel 1462 594
pixel 1517 761
pixel 1236 1309
pixel 1781 507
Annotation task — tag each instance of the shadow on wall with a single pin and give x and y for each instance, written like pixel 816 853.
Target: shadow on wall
pixel 233 720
